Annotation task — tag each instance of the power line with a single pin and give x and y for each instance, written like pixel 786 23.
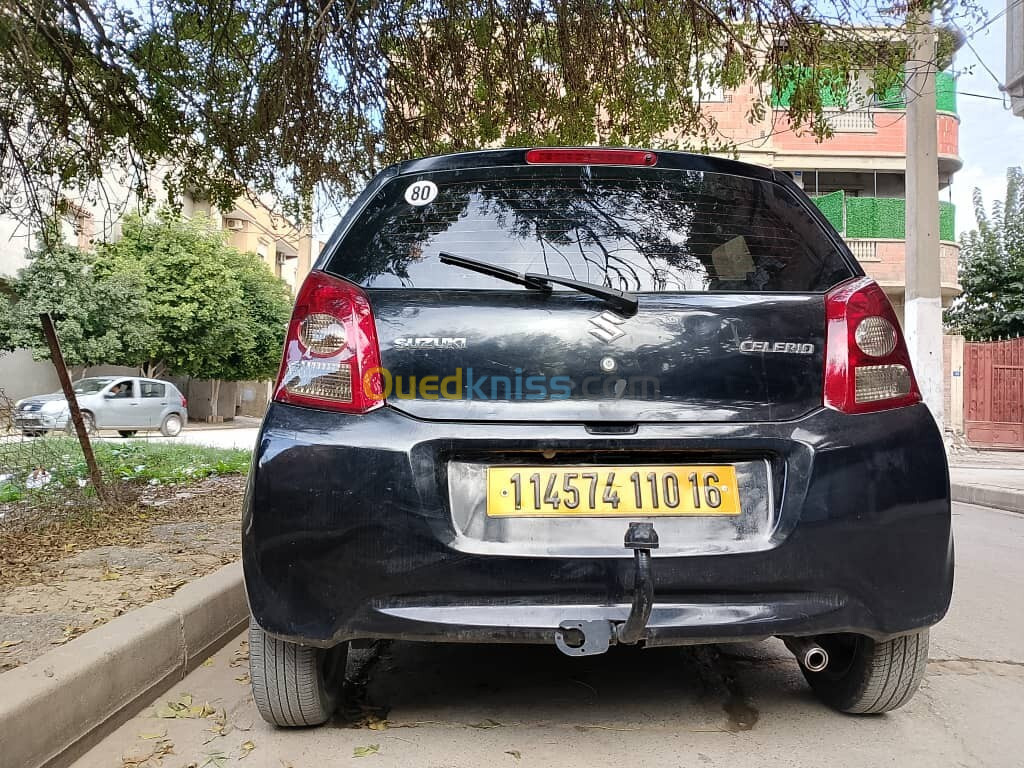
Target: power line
pixel 982 96
pixel 981 61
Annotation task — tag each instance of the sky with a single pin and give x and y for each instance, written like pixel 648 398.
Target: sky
pixel 991 137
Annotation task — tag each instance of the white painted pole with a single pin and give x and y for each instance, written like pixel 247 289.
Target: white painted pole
pixel 923 308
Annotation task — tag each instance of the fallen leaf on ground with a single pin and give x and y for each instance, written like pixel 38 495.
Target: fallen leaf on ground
pixel 369 749
pixel 486 723
pixel 9 643
pixel 208 662
pixel 216 759
pixel 246 747
pixel 137 753
pixel 242 678
pixel 375 723
pixel 515 753
pixel 153 735
pixel 184 708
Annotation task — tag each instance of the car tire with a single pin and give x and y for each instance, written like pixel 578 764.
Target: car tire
pixel 87 419
pixel 867 677
pixel 294 685
pixel 127 432
pixel 171 426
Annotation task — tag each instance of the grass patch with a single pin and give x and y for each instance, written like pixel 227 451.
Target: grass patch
pixel 41 465
pixel 169 463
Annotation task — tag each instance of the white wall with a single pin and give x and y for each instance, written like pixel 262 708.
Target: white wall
pixel 21 376
pixel 14 242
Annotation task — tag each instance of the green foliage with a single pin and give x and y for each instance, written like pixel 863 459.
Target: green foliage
pixel 945 92
pixel 134 460
pixel 292 98
pixel 881 217
pixel 833 206
pixel 947 221
pixel 992 268
pixel 876 217
pixel 170 295
pixel 217 313
pixel 829 88
pixel 101 317
pixel 826 86
pixel 169 462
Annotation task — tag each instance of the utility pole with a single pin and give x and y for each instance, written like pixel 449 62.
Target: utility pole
pixel 922 321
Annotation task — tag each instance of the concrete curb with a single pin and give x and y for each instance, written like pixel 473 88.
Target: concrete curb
pixel 987 496
pixel 56 707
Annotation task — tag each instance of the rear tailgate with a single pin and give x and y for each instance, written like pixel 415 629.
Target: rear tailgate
pixel 518 356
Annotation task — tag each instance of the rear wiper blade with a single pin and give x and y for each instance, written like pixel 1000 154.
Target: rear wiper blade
pixel 493 270
pixel 624 301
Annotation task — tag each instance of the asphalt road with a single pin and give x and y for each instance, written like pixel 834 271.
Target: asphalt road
pixel 727 705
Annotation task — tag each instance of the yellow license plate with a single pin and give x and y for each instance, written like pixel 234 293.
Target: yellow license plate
pixel 601 491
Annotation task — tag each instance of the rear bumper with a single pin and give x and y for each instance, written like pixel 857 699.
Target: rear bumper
pixel 347 533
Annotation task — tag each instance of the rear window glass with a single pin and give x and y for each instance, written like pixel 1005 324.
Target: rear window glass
pixel 634 229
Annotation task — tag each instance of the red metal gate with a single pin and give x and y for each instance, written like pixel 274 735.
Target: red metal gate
pixel 994 393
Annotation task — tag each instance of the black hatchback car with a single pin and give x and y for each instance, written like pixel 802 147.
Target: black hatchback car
pixel 590 397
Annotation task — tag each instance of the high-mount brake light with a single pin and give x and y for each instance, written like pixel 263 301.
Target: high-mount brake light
pixel 591 157
pixel 331 355
pixel 867 366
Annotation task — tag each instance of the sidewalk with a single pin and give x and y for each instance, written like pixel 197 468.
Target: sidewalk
pixel 988 478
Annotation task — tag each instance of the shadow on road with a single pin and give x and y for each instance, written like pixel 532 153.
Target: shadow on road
pixel 714 688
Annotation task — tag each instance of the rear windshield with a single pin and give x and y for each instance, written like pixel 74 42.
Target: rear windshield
pixel 646 230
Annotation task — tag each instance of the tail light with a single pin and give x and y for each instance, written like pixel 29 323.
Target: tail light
pixel 184 402
pixel 331 356
pixel 867 366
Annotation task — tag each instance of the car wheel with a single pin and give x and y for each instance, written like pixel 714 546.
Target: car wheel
pixel 294 685
pixel 87 419
pixel 865 676
pixel 171 426
pixel 127 432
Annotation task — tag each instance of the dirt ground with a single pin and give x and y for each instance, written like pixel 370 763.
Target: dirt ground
pixel 60 579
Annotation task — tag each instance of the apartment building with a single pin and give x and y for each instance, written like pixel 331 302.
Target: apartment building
pixel 858 176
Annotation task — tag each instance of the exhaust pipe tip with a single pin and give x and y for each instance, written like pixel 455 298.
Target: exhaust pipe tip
pixel 815 659
pixel 811 656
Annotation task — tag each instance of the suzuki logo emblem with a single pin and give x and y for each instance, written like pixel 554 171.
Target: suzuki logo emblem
pixel 606 327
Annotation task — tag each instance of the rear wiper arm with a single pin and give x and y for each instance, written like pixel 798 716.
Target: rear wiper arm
pixel 624 301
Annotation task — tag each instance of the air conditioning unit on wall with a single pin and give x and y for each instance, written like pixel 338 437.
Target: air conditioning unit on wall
pixel 234 223
pixel 282 259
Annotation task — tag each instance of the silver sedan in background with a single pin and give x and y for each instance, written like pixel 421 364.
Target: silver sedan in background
pixel 125 403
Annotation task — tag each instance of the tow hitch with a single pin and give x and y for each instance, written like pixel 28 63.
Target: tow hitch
pixel 585 638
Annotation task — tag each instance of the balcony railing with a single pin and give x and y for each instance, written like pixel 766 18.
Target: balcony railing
pixel 884 259
pixel 864 250
pixel 856 121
